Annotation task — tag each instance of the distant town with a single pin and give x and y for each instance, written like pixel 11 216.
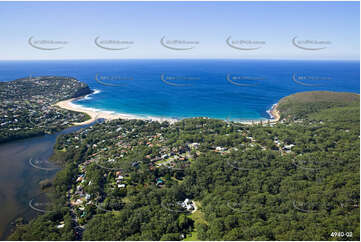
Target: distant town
pixel 27 106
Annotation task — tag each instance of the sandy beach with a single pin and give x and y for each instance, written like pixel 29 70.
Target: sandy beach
pixel 273 112
pixel 107 115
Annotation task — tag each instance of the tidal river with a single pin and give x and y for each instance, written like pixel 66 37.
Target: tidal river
pixel 19 178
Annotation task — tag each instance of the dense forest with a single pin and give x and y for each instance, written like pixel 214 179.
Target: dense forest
pixel 298 179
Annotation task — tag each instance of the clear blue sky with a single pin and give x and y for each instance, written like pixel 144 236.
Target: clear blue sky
pixel 209 23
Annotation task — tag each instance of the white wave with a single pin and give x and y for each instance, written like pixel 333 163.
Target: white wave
pixel 96 91
pixel 89 96
pixel 269 111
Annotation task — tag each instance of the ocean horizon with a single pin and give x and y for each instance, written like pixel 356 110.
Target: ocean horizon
pixel 228 89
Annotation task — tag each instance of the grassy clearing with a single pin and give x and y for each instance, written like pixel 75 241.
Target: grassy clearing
pixel 197 217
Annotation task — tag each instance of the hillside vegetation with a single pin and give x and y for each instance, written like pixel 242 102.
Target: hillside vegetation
pixel 294 180
pixel 299 105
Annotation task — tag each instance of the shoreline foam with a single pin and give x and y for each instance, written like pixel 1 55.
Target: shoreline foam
pixel 103 114
pixel 111 115
pixel 274 113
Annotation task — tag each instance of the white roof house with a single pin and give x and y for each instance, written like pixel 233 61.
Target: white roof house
pixel 187 204
pixel 288 147
pixel 218 148
pixel 60 226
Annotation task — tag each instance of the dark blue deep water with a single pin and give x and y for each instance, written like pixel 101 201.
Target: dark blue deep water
pixel 225 89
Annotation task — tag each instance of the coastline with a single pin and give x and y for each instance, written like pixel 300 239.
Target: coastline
pixel 109 115
pixel 102 114
pixel 274 113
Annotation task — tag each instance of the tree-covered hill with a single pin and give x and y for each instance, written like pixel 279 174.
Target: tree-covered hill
pixel 298 179
pixel 299 105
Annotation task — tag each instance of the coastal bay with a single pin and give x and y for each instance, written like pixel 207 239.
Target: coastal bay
pixel 103 114
pixel 193 88
pixel 129 135
pixel 180 121
pixel 110 115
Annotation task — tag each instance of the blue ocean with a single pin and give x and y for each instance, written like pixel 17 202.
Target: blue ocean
pixel 224 89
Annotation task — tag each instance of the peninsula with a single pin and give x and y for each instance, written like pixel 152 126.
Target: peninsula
pixel 27 106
